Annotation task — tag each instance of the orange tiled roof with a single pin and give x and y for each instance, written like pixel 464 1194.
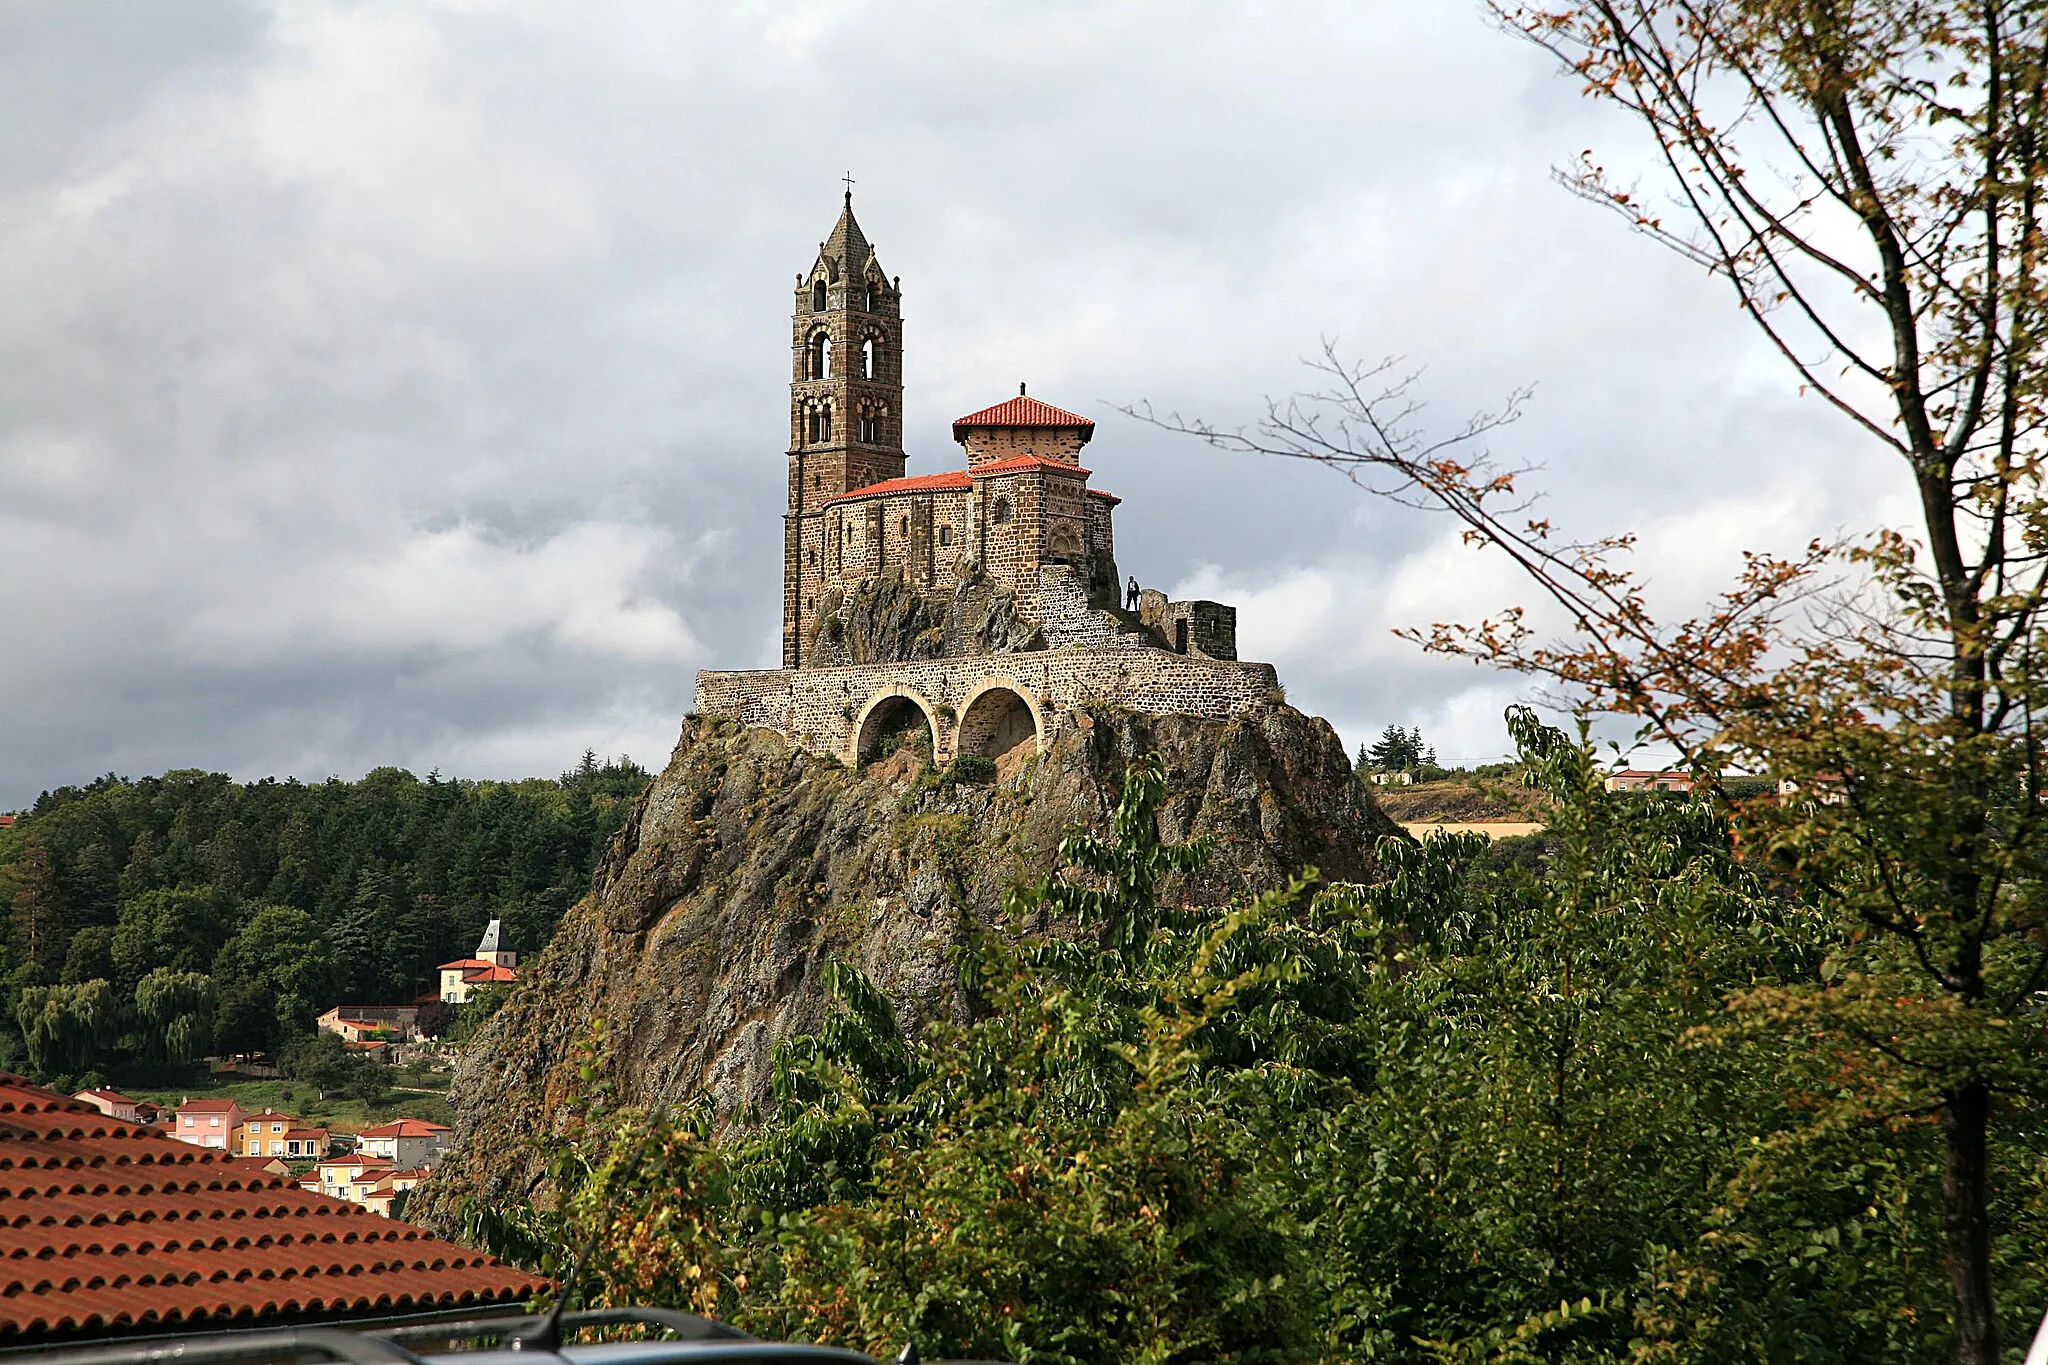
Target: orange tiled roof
pixel 108 1226
pixel 915 483
pixel 405 1127
pixel 490 975
pixel 1021 412
pixel 208 1106
pixel 1017 464
pixel 462 962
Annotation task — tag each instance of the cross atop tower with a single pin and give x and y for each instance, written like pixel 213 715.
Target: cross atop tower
pixel 848 178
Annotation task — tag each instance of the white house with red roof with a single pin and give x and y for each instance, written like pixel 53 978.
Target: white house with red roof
pixel 494 964
pixel 406 1142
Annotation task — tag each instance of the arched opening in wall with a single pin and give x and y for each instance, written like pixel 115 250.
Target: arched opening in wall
pixel 1002 511
pixel 893 726
pixel 867 359
pixel 999 725
pixel 821 356
pixel 818 297
pixel 1066 543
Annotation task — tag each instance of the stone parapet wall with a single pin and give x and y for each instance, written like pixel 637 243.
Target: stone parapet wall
pixel 825 709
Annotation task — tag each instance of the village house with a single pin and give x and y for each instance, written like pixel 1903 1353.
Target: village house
pixel 1644 780
pixel 1829 789
pixel 371 1023
pixel 494 964
pixel 118 1106
pixel 263 1134
pixel 406 1142
pixel 338 1176
pixel 382 1198
pixel 209 1123
pixel 305 1144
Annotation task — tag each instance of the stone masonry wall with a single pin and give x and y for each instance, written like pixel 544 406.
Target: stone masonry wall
pixel 825 709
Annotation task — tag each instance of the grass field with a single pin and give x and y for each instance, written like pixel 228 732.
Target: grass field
pixel 301 1101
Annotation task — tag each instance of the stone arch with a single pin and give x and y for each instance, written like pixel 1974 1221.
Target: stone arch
pixel 998 716
pixel 888 713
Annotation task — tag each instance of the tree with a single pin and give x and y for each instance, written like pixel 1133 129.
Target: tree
pixel 1399 750
pixel 278 958
pixel 174 1015
pixel 323 1061
pixel 1482 1110
pixel 40 923
pixel 179 929
pixel 68 1027
pixel 1867 177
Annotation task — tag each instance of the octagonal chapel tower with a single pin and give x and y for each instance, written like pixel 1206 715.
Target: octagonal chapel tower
pixel 845 404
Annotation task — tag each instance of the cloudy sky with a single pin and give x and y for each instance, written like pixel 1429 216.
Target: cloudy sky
pixel 393 383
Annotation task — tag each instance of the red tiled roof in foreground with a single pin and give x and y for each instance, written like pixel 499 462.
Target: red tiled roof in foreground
pixel 1021 412
pixel 108 1227
pixel 915 483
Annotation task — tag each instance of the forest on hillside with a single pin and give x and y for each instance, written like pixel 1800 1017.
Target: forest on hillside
pixel 157 920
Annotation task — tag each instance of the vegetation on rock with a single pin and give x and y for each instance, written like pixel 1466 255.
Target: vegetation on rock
pixel 1465 1113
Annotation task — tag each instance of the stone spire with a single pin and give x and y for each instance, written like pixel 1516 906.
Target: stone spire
pixel 845 402
pixel 847 247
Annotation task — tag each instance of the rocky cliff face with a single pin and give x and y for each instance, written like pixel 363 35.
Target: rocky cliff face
pixel 886 620
pixel 749 864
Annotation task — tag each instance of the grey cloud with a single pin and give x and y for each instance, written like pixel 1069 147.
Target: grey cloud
pixel 404 385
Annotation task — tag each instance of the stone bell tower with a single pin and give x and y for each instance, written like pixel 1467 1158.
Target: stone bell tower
pixel 845 404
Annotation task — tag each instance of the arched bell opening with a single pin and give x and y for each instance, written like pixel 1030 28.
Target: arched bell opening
pixel 999 723
pixel 893 723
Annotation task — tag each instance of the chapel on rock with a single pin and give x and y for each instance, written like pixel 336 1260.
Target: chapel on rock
pixel 979 605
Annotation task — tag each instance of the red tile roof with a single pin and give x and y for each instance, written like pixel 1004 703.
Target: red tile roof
pixel 208 1106
pixel 1017 464
pixel 108 1226
pixel 1021 412
pixel 489 975
pixel 114 1095
pixel 405 1128
pixel 462 962
pixel 915 483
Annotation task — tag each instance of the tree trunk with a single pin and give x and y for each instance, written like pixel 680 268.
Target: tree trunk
pixel 1964 1178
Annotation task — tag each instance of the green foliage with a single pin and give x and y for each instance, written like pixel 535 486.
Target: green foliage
pixel 972 768
pixel 65 1027
pixel 174 1015
pixel 324 1061
pixel 1487 1109
pixel 1397 750
pixel 384 878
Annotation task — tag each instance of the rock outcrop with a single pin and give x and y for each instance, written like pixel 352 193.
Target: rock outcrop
pixel 886 621
pixel 749 864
